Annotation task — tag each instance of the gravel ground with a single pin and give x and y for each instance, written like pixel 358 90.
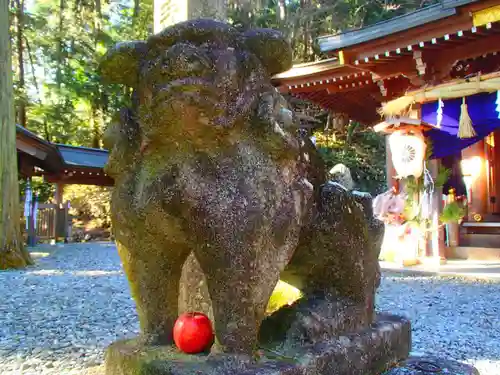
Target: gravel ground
pixel 454 318
pixel 57 317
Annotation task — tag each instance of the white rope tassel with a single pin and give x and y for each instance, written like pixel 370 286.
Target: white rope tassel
pixel 426 207
pixel 439 113
pixel 465 128
pixel 497 102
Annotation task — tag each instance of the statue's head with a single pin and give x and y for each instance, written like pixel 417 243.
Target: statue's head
pixel 200 82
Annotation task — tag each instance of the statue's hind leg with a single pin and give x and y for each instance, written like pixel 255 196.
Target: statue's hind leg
pixel 154 270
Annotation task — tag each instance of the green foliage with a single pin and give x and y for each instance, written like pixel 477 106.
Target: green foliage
pixel 415 188
pixel 64 40
pixel 65 99
pixel 442 176
pixel 452 213
pixel 362 151
pixel 303 21
pixel 90 204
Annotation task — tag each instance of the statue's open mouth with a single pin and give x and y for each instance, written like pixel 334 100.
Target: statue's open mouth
pixel 187 82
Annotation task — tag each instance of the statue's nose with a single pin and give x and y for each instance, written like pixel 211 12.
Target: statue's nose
pixel 144 145
pixel 227 71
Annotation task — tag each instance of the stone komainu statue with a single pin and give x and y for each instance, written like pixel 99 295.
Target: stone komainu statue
pixel 342 175
pixel 205 161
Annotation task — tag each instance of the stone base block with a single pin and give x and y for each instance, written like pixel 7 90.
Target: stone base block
pixel 369 352
pixel 431 366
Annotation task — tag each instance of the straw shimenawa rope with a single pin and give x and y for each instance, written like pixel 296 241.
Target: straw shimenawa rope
pixel 450 90
pixel 397 106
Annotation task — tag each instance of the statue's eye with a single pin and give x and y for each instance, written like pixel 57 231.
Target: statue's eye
pixel 191 64
pixel 184 60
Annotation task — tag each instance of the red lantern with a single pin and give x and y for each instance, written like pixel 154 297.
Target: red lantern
pixel 193 333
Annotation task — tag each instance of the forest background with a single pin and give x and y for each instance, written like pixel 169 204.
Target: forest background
pixel 57 45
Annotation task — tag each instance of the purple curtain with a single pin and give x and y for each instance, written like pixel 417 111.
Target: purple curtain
pixel 483 112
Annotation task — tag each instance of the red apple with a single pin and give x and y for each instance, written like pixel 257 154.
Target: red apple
pixel 193 332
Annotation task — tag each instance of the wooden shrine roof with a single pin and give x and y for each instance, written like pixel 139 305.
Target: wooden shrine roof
pixel 421 17
pixel 60 163
pixel 378 63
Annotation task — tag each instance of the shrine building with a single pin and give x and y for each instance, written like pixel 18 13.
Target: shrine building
pixel 436 71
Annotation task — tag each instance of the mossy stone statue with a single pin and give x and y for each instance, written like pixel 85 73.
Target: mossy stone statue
pixel 201 164
pixel 207 162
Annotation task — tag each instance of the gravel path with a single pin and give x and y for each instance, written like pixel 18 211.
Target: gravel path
pixel 58 317
pixel 451 317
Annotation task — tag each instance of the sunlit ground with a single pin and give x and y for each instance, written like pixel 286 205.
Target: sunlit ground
pixel 284 294
pixel 38 255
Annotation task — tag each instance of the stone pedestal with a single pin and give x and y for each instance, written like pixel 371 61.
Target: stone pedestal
pixel 368 352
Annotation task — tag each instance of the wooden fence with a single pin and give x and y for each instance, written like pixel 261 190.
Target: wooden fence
pixel 45 227
pixel 51 222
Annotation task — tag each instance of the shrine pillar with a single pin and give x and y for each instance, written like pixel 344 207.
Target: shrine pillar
pixel 58 196
pixel 437 246
pixel 61 214
pixel 29 212
pixel 390 172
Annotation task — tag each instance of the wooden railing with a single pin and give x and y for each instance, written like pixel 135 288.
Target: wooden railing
pixel 45 227
pixel 50 223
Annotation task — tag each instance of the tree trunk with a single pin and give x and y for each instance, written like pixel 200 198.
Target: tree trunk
pixel 98 8
pixel 136 10
pixel 12 252
pixel 305 31
pixel 97 102
pixel 20 58
pixel 60 44
pixel 96 124
pixel 282 13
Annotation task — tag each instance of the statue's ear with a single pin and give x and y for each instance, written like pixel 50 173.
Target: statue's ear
pixel 120 64
pixel 271 47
